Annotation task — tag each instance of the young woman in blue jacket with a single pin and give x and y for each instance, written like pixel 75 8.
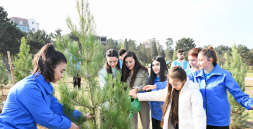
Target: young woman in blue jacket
pixel 31 101
pixel 158 80
pixel 214 83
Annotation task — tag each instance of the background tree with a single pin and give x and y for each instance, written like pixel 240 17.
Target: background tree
pixel 131 45
pixel 244 52
pixel 91 98
pixel 169 49
pixel 153 48
pixel 186 44
pixel 10 35
pixel 23 61
pixel 236 66
pixel 125 44
pixel 3 75
pixel 58 32
pixel 37 40
pixel 174 55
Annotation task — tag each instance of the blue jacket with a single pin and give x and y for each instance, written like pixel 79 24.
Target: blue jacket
pixel 214 93
pixel 156 106
pixel 31 101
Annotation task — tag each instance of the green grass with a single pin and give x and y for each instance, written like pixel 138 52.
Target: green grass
pixel 249 75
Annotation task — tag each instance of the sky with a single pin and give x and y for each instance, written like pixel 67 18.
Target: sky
pixel 207 22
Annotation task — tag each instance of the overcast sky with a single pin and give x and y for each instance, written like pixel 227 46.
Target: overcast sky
pixel 208 22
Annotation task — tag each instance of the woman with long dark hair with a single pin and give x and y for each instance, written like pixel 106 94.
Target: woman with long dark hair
pixel 111 66
pixel 31 100
pixel 158 80
pixel 136 77
pixel 183 103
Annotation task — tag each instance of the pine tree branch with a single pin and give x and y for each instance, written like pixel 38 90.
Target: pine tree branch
pixel 79 104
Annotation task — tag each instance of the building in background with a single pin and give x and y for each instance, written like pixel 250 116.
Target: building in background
pixel 102 39
pixel 25 25
pixel 22 24
pixel 33 25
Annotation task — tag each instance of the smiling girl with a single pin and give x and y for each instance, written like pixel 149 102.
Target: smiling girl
pixel 193 60
pixel 183 103
pixel 158 80
pixel 136 77
pixel 111 66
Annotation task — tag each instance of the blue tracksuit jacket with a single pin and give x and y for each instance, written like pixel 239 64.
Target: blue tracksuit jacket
pixel 214 93
pixel 31 101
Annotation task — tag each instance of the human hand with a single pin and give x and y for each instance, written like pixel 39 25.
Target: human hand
pixel 73 126
pixel 89 116
pixel 252 107
pixel 149 87
pixel 133 93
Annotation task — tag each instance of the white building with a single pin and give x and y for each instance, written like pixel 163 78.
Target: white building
pixel 33 25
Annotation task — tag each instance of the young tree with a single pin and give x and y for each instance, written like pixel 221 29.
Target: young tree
pixel 238 69
pixel 3 75
pixel 23 61
pixel 112 100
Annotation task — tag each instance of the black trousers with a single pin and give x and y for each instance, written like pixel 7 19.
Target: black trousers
pixel 156 124
pixel 217 127
pixel 77 81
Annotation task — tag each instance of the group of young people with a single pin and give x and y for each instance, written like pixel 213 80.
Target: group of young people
pixel 196 97
pixel 181 97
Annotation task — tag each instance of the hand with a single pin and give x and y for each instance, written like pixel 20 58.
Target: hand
pixel 89 116
pixel 133 93
pixel 149 87
pixel 73 126
pixel 252 107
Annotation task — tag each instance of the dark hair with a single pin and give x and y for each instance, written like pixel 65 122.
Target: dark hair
pixel 180 51
pixel 126 71
pixel 163 74
pixel 111 53
pixel 194 52
pixel 122 51
pixel 46 60
pixel 210 53
pixel 176 72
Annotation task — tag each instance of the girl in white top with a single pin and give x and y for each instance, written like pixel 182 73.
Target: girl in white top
pixel 183 103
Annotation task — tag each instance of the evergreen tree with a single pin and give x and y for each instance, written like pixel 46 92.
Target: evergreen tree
pixel 174 55
pixel 238 69
pixel 186 44
pixel 3 75
pixel 37 40
pixel 23 61
pixel 126 44
pixel 112 99
pixel 169 49
pixel 10 35
pixel 154 48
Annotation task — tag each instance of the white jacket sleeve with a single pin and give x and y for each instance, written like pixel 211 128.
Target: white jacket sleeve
pixel 159 95
pixel 198 112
